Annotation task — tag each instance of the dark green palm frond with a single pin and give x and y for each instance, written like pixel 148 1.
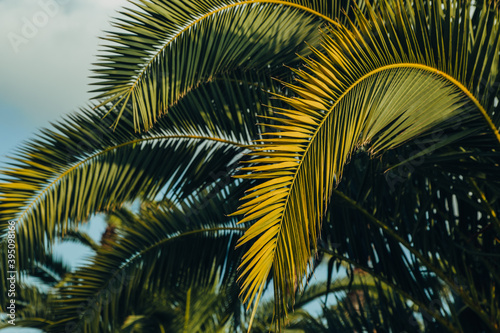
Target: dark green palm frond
pixel 378 87
pixel 79 237
pixel 226 107
pixel 359 310
pixel 46 270
pixel 155 254
pixel 167 48
pixel 197 309
pixel 84 168
pixel 429 224
pixel 360 302
pixel 363 301
pixel 49 270
pixel 31 293
pixel 223 110
pixel 314 293
pixel 31 308
pixel 229 116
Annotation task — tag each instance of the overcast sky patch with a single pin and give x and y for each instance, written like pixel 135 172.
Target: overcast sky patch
pixel 46 48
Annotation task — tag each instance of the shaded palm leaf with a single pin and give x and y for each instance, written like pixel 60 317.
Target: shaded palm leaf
pixel 153 255
pixel 62 180
pixel 430 224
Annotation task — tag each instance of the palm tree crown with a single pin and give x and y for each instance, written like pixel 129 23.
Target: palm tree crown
pixel 239 148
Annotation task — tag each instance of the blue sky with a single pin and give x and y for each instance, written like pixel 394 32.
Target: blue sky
pixel 46 51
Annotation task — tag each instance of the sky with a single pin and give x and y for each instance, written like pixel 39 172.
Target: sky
pixel 46 51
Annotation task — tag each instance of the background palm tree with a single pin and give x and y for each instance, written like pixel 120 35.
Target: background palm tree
pixel 383 139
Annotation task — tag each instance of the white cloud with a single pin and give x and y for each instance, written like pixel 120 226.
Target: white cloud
pixel 56 42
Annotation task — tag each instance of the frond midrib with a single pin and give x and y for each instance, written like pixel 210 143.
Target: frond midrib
pixel 95 155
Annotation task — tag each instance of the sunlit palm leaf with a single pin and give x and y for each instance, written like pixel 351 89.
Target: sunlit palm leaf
pixel 167 48
pixel 377 87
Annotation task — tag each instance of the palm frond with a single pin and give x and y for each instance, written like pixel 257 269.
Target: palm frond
pixel 375 87
pixel 437 217
pixel 223 110
pixel 84 168
pixel 154 255
pixel 226 107
pixel 80 237
pixel 167 48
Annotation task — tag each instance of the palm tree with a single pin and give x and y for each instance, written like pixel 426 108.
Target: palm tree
pixel 376 152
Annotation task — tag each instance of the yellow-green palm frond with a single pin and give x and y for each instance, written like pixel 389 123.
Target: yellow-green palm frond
pixel 375 85
pixel 166 48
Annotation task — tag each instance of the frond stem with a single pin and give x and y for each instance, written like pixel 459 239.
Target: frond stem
pixel 484 201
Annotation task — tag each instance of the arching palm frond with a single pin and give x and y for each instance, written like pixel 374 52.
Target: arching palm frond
pixel 153 255
pixel 85 168
pixel 43 189
pixel 165 49
pixel 376 87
